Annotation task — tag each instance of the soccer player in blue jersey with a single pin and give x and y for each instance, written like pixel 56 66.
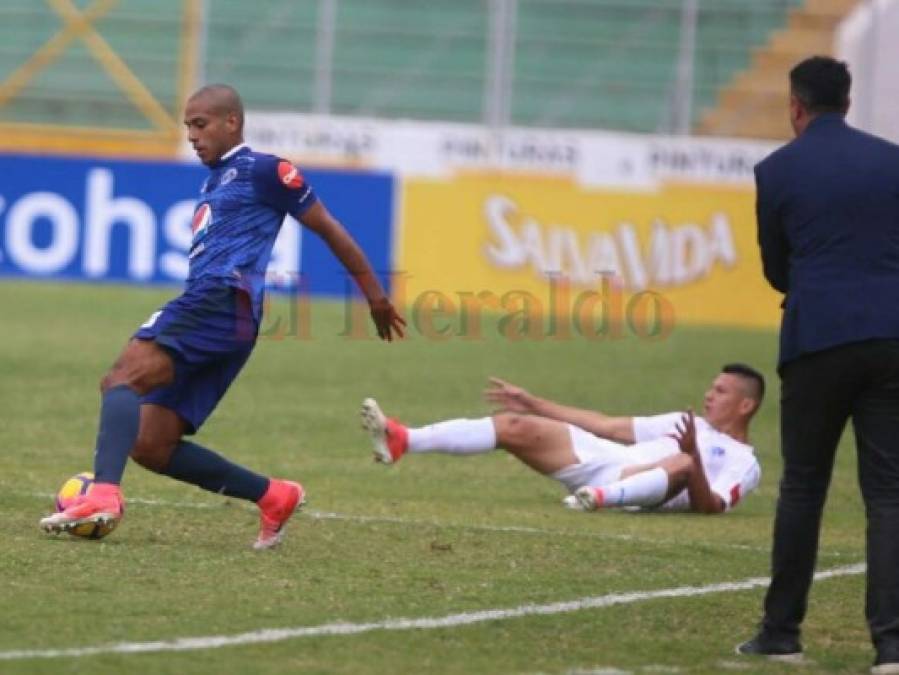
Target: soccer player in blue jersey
pixel 180 363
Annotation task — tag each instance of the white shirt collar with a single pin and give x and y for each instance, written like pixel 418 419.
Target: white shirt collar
pixel 233 151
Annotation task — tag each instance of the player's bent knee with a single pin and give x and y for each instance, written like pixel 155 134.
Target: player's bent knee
pixel 153 455
pixel 142 368
pixel 514 430
pixel 132 380
pixel 679 468
pixel 112 379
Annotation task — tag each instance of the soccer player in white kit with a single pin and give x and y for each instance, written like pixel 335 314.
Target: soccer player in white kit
pixel 673 461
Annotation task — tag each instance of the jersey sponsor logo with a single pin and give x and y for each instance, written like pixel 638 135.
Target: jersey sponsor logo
pixel 228 176
pixel 717 451
pixel 201 220
pixel 196 250
pixel 289 175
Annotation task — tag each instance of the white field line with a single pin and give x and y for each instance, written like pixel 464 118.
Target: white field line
pixel 397 520
pixel 520 529
pixel 426 623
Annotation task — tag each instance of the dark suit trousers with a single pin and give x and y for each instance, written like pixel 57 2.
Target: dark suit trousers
pixel 820 392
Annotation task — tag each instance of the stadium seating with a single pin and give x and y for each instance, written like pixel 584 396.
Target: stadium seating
pixel 612 64
pixel 419 60
pixel 579 63
pixel 71 87
pixel 753 103
pixel 265 48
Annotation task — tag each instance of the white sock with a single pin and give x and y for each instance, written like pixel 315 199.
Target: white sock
pixel 646 488
pixel 455 437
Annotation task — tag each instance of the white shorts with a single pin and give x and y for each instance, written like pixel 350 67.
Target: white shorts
pixel 599 461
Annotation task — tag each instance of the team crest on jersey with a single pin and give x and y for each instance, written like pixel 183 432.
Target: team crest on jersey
pixel 289 175
pixel 201 220
pixel 228 176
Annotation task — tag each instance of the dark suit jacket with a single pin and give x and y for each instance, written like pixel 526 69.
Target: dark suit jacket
pixel 828 219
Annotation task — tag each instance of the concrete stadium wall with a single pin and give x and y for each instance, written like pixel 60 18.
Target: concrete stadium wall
pixel 866 40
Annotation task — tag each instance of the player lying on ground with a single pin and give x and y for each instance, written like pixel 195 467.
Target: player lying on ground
pixel 671 461
pixel 180 363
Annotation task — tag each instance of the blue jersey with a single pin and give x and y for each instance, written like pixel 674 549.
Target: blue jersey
pixel 238 216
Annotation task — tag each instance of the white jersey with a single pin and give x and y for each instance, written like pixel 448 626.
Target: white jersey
pixel 730 466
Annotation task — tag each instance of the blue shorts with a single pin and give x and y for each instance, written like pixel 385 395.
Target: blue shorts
pixel 210 333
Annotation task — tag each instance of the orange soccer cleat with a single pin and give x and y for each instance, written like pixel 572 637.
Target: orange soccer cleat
pixel 103 507
pixel 277 505
pixel 390 439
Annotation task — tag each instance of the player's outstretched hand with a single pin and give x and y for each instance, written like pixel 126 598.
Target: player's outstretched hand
pixel 507 397
pixel 686 433
pixel 387 319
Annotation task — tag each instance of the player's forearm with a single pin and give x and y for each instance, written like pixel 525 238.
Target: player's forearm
pixel 354 260
pixel 588 420
pixel 702 499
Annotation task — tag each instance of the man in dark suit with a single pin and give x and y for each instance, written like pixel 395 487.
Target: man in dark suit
pixel 828 228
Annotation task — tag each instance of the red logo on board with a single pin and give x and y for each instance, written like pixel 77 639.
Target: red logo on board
pixel 289 175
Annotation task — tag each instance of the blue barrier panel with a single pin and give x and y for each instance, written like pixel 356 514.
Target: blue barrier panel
pixel 123 221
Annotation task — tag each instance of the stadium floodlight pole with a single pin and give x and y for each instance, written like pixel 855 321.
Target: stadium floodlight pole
pixel 499 65
pixel 324 55
pixel 682 100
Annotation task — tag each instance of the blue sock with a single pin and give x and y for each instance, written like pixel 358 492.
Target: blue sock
pixel 202 467
pixel 119 424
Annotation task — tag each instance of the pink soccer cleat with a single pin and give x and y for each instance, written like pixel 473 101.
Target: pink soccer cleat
pixel 390 439
pixel 102 507
pixel 277 505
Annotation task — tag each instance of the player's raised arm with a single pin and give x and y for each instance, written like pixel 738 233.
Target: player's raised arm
pixel 387 320
pixel 511 398
pixel 702 498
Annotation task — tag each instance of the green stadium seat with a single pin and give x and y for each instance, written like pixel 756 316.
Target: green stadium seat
pixel 577 63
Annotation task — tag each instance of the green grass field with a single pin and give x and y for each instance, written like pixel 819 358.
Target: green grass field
pixel 432 537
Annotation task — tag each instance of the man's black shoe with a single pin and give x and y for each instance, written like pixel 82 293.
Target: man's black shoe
pixel 887 661
pixel 777 649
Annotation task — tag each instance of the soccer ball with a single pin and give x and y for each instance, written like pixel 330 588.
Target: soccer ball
pixel 77 485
